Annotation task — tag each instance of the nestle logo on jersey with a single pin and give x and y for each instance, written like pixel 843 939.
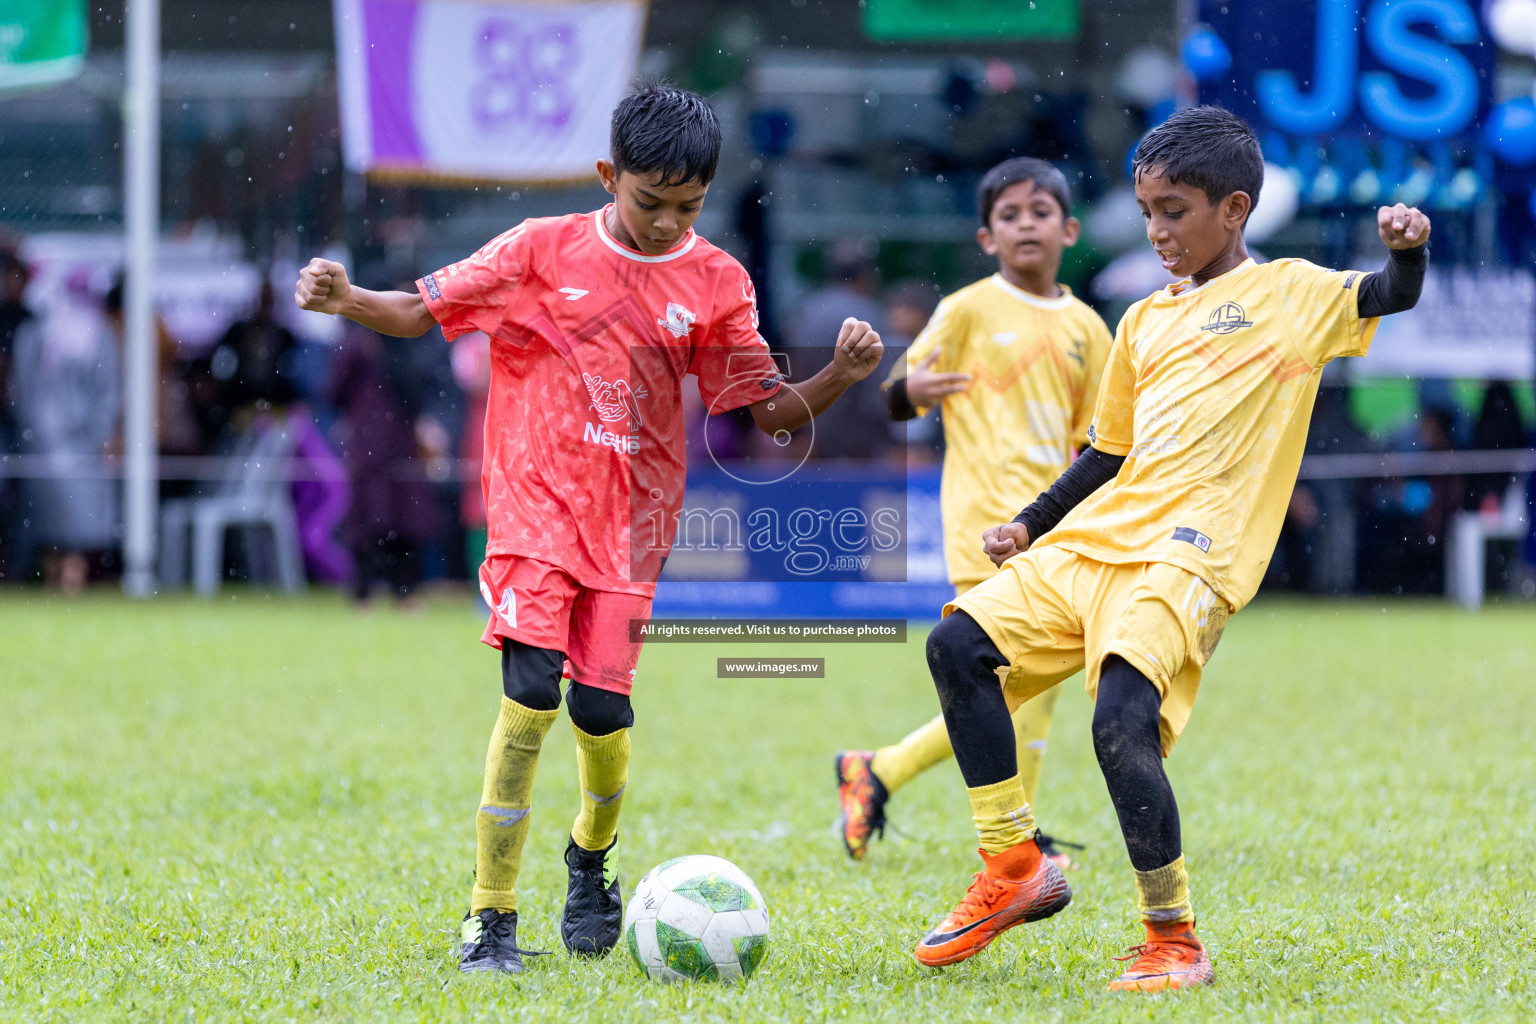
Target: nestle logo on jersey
pixel 1226 318
pixel 621 443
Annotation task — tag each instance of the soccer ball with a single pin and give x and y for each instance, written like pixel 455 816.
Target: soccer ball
pixel 698 918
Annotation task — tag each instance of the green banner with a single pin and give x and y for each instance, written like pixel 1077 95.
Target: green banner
pixel 41 41
pixel 949 20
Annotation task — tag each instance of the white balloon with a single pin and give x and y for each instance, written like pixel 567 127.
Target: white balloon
pixel 1148 76
pixel 1512 23
pixel 1113 223
pixel 1278 201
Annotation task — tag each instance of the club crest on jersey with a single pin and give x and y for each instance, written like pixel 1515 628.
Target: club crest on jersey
pixel 679 320
pixel 1226 318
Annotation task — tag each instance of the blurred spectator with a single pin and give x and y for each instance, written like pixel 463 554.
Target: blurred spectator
pixel 849 291
pixel 1317 549
pixel 855 427
pixel 321 497
pixel 394 508
pixel 908 307
pixel 14 316
pixel 255 364
pixel 1499 426
pixel 472 371
pixel 177 429
pixel 1403 539
pixel 66 392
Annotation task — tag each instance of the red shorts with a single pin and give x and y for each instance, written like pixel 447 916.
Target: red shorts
pixel 541 605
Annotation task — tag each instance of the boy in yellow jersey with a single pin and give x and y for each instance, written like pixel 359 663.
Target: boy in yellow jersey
pixel 1015 360
pixel 1201 422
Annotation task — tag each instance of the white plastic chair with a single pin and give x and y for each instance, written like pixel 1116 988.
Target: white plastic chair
pixel 1466 550
pixel 254 494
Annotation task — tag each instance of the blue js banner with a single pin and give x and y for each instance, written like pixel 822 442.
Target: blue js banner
pixel 1363 99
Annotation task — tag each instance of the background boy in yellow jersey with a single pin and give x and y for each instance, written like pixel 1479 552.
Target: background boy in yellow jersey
pixel 1015 360
pixel 1201 423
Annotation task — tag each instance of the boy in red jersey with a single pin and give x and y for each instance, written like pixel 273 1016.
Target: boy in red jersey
pixel 594 319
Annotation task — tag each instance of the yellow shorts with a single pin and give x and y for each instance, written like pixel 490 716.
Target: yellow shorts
pixel 1052 611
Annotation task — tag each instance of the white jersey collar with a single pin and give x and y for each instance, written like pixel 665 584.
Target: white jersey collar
pixel 1178 289
pixel 681 249
pixel 1061 301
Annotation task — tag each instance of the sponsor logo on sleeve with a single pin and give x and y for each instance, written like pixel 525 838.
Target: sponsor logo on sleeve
pixel 1194 537
pixel 430 284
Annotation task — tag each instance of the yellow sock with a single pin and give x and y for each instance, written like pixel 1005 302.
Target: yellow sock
pixel 602 762
pixel 501 824
pixel 921 749
pixel 1002 815
pixel 1032 727
pixel 1164 894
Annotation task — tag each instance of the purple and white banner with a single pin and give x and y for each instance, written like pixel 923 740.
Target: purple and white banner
pixel 517 90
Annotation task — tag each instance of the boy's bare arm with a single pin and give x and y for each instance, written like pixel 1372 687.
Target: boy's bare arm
pixel 857 354
pixel 323 288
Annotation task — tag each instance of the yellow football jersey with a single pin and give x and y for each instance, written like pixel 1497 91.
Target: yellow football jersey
pixel 1035 365
pixel 1208 391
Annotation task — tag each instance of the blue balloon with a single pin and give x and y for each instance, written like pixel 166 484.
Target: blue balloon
pixel 1511 131
pixel 1205 54
pixel 1157 113
pixel 770 131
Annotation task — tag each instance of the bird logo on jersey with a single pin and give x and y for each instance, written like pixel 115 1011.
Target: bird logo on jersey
pixel 1226 318
pixel 679 319
pixel 615 400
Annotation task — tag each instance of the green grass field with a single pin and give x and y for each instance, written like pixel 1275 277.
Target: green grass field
pixel 260 809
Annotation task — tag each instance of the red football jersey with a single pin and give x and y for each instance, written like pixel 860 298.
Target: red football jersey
pixel 584 456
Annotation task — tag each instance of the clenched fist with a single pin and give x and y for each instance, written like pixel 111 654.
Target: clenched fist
pixel 1402 227
pixel 858 350
pixel 1003 542
pixel 323 287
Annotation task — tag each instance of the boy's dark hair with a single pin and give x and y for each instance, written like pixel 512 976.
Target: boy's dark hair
pixel 1208 147
pixel 659 127
pixel 1044 176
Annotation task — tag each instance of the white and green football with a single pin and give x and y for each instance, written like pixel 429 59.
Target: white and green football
pixel 698 918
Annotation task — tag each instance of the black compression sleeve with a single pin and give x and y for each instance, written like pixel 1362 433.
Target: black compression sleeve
pixel 1396 287
pixel 898 403
pixel 1092 470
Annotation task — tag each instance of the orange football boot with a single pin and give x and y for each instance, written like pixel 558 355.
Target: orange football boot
pixel 993 904
pixel 1172 957
pixel 861 798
